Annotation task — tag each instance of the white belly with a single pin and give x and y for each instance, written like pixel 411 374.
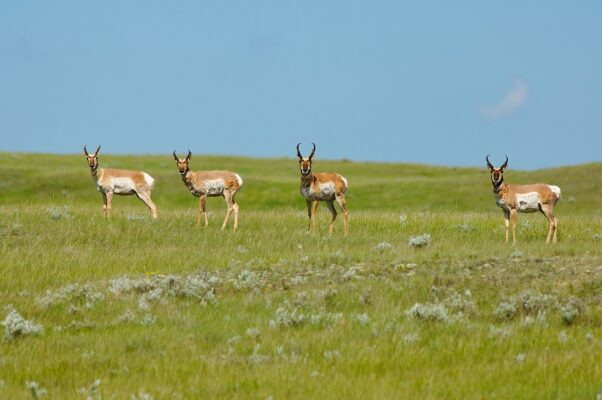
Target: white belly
pixel 327 190
pixel 214 187
pixel 528 202
pixel 119 186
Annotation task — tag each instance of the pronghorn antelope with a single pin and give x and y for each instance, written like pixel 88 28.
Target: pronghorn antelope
pixel 122 182
pixel 525 199
pixel 203 184
pixel 324 186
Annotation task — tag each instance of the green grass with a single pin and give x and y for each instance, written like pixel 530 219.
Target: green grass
pixel 197 322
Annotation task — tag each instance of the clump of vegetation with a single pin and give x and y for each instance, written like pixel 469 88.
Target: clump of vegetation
pixel 57 213
pixel 36 390
pixel 571 310
pixel 419 241
pixel 16 326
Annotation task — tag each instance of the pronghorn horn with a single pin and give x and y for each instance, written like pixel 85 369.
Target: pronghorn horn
pixel 175 156
pixel 505 164
pixel 85 150
pixel 299 152
pixel 489 162
pixel 97 150
pixel 312 152
pixel 189 155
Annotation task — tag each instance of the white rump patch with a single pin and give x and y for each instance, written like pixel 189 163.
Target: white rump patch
pixel 214 187
pixel 239 179
pixel 344 180
pixel 555 189
pixel 527 202
pixel 150 181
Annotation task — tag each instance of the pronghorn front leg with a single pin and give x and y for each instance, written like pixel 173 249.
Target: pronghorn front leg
pixel 308 215
pixel 104 204
pixel 513 214
pixel 507 223
pixel 333 211
pixel 201 210
pixel 109 196
pixel 314 212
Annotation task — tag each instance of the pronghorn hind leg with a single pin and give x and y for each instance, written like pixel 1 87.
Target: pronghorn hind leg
pixel 547 212
pixel 333 211
pixel 145 198
pixel 341 200
pixel 506 223
pixel 513 213
pixel 235 208
pixel 228 198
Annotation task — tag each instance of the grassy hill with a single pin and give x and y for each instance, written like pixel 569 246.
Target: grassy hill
pixel 274 183
pixel 133 308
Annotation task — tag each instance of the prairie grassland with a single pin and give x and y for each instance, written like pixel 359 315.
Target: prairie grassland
pixel 135 308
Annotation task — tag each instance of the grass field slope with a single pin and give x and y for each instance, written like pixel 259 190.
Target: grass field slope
pixel 421 300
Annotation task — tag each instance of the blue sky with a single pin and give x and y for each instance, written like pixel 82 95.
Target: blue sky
pixel 431 82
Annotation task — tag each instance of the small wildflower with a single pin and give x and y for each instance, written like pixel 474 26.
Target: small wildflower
pixel 520 358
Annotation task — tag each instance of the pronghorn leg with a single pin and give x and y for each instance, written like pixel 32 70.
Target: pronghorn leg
pixel 314 212
pixel 145 198
pixel 513 213
pixel 554 238
pixel 109 196
pixel 308 215
pixel 228 197
pixel 201 210
pixel 235 208
pixel 330 205
pixel 341 200
pixel 104 204
pixel 547 212
pixel 507 223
